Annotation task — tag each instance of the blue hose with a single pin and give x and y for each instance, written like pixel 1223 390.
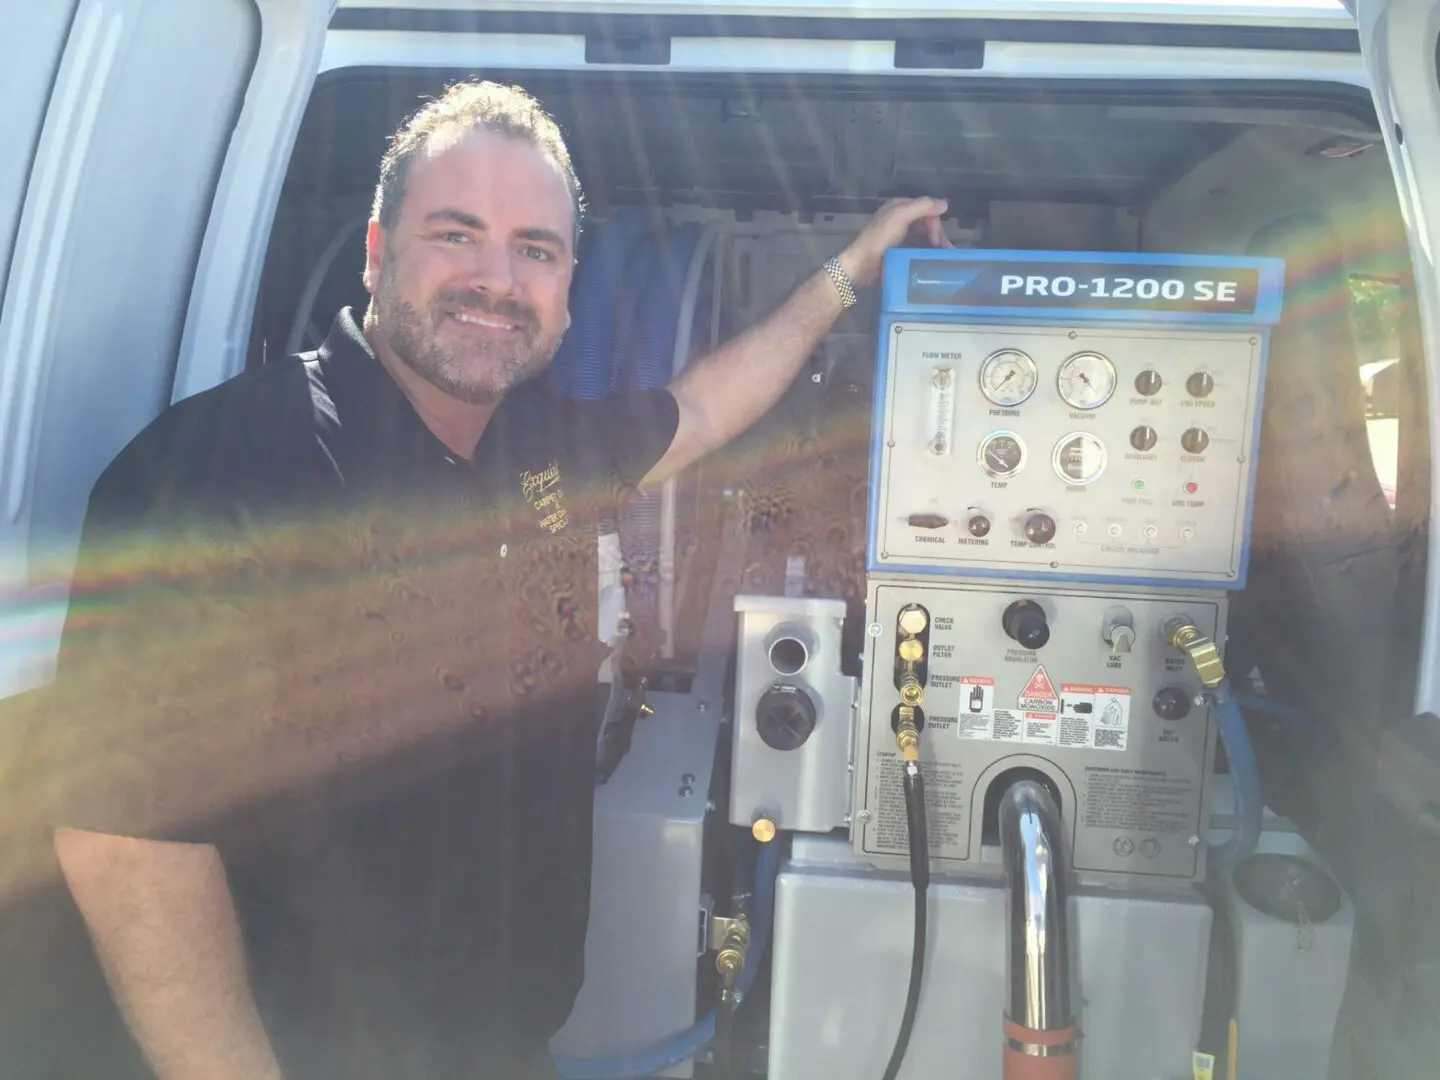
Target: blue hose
pixel 1249 802
pixel 693 1039
pixel 1261 703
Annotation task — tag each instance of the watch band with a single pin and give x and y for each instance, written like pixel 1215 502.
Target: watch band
pixel 841 280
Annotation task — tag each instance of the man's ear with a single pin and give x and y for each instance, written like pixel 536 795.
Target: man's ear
pixel 374 255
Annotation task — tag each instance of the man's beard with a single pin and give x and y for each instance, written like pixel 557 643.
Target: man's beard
pixel 479 372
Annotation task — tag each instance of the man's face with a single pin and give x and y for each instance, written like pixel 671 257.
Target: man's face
pixel 471 285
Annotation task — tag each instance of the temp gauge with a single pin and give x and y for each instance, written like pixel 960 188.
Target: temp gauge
pixel 1008 377
pixel 1002 454
pixel 1086 381
pixel 1079 458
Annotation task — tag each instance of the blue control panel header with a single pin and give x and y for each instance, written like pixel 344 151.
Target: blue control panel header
pixel 1085 286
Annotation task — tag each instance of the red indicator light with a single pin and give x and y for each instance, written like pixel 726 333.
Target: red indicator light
pixel 1191 487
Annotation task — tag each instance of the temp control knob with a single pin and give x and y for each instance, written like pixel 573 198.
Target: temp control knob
pixel 1025 622
pixel 785 717
pixel 1039 528
pixel 1172 703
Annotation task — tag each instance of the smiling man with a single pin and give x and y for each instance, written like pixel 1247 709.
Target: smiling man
pixel 322 752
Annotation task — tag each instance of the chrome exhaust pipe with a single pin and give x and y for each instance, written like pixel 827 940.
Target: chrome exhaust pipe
pixel 1040 1034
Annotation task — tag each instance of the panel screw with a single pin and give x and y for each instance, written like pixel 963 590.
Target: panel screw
pixel 1194 842
pixel 875 629
pixel 687 791
pixel 702 706
pixel 688 778
pixel 863 816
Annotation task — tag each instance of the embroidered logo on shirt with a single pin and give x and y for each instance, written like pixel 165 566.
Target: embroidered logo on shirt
pixel 542 490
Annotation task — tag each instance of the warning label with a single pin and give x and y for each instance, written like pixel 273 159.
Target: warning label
pixel 1094 717
pixel 977 706
pixel 1039 693
pixel 1040 708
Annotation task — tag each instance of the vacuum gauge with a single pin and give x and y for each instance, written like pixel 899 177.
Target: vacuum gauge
pixel 1086 381
pixel 1002 454
pixel 1008 377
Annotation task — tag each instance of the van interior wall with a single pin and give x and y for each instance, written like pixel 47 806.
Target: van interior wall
pixel 1323 618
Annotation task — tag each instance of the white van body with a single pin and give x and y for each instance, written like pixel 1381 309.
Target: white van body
pixel 144 204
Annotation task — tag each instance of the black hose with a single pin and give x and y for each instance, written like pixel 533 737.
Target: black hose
pixel 920 879
pixel 723 1063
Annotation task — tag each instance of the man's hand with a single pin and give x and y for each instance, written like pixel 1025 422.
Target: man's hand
pixel 899 221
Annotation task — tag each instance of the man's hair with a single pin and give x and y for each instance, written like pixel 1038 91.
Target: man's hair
pixel 463 108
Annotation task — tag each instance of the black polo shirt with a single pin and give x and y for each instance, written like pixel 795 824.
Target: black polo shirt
pixel 303 631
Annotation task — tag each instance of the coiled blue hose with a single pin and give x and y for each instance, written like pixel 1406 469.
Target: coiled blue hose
pixel 692 1040
pixel 1249 801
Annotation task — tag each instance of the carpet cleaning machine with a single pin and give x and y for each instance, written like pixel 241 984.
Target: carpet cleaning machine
pixel 1005 835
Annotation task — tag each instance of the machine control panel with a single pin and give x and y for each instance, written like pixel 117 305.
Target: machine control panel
pixel 1077 687
pixel 1087 441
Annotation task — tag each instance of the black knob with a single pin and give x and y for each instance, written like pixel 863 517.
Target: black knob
pixel 1172 703
pixel 1025 621
pixel 785 717
pixel 1200 384
pixel 1040 528
pixel 1195 440
pixel 1144 438
pixel 979 525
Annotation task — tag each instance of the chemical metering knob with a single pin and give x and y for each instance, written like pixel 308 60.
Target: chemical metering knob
pixel 1039 528
pixel 1025 622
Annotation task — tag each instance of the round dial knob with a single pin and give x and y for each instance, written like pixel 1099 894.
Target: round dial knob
pixel 1039 528
pixel 1195 440
pixel 1149 383
pixel 979 525
pixel 1144 438
pixel 1200 384
pixel 785 717
pixel 1025 622
pixel 1172 703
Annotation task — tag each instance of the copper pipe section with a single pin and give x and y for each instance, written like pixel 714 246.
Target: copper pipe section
pixel 1040 1035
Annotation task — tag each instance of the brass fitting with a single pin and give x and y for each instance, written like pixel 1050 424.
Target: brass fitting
pixel 1203 653
pixel 733 945
pixel 911 692
pixel 913 621
pixel 907 737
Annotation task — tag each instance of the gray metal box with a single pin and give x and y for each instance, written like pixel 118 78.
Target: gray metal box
pixel 1127 484
pixel 842 963
pixel 789 648
pixel 645 899
pixel 1132 787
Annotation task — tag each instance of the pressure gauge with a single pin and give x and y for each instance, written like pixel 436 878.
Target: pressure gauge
pixel 1002 454
pixel 1086 381
pixel 1079 458
pixel 1008 377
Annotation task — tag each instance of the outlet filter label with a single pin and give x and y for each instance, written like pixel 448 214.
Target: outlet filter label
pixel 1094 717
